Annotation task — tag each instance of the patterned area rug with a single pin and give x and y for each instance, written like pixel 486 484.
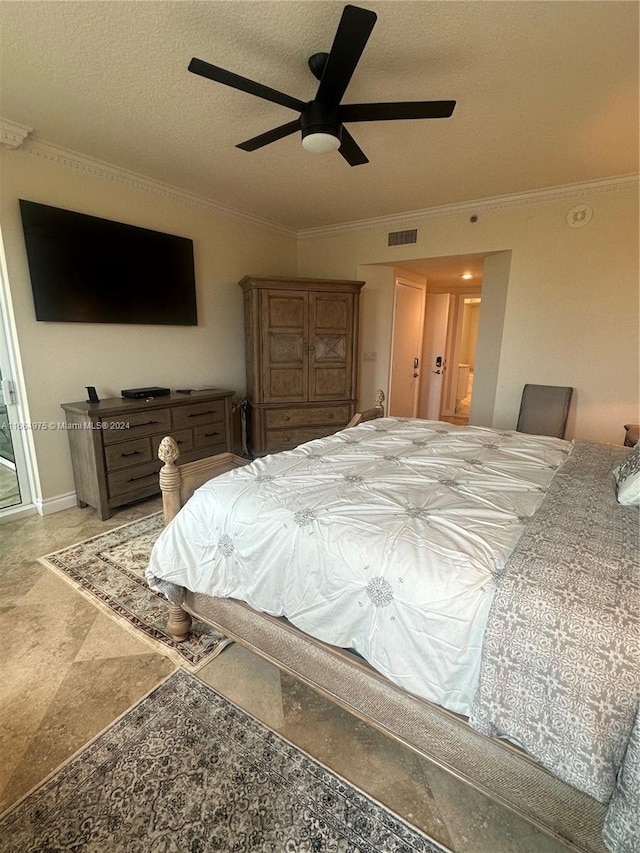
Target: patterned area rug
pixel 109 570
pixel 187 770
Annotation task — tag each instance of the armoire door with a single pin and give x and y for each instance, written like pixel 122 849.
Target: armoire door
pixel 331 344
pixel 285 357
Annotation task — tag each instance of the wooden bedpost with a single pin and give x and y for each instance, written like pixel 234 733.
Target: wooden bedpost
pixel 169 478
pixel 369 414
pixel 179 621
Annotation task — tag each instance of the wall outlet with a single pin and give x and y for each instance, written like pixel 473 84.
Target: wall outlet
pixel 370 356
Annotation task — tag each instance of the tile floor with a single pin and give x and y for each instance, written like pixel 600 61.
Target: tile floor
pixel 68 671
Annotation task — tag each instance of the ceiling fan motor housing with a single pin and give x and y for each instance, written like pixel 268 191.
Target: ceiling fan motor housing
pixel 317 117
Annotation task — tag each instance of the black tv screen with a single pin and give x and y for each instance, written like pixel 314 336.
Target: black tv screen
pixel 89 270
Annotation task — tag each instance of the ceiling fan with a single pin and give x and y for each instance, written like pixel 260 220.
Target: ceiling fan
pixel 322 119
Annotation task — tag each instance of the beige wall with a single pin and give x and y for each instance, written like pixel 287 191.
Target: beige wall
pixel 569 315
pixel 563 308
pixel 60 359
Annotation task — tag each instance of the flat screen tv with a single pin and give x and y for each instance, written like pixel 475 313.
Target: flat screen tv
pixel 89 270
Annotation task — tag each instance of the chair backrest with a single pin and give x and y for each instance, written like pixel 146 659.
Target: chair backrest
pixel 544 410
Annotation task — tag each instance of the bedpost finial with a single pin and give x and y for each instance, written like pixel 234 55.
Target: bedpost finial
pixel 168 450
pixel 380 399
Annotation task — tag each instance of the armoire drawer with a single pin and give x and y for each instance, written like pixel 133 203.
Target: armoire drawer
pixel 277 440
pixel 293 417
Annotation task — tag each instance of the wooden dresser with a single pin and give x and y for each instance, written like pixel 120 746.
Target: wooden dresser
pixel 301 338
pixel 114 443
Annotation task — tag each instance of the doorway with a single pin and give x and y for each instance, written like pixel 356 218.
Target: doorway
pixel 406 348
pixel 452 296
pixel 462 339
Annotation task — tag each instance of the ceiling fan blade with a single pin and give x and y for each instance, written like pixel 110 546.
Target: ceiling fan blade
pixel 351 151
pixel 350 40
pixel 228 78
pixel 270 136
pixel 395 111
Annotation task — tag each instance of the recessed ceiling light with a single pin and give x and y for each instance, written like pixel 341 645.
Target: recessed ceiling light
pixel 466 275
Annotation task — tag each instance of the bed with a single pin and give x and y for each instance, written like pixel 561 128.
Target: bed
pixel 474 593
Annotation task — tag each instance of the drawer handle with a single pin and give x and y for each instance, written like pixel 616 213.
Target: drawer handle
pixel 141 477
pixel 209 434
pixel 331 415
pixel 146 423
pixel 130 453
pixel 285 417
pixel 202 414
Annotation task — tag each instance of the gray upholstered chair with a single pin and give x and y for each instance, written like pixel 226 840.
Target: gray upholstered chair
pixel 544 410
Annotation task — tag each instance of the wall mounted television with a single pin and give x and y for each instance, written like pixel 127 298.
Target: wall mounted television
pixel 89 270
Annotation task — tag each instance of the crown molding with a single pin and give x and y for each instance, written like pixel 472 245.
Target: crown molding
pixel 12 134
pixel 98 169
pixel 17 136
pixel 414 217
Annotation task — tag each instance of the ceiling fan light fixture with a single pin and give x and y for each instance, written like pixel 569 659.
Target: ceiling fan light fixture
pixel 320 143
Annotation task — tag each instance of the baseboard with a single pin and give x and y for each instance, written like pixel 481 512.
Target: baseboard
pixel 47 506
pixel 11 513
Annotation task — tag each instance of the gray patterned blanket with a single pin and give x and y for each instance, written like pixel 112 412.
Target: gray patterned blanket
pixel 561 658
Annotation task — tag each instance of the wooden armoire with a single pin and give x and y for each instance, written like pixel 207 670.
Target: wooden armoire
pixel 302 339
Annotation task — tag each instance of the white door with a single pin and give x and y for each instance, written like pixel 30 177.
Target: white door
pixel 406 349
pixel 434 362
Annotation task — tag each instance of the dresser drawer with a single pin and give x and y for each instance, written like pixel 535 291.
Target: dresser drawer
pixel 182 437
pixel 198 413
pixel 308 416
pixel 133 479
pixel 277 440
pixel 210 435
pixel 124 454
pixel 140 423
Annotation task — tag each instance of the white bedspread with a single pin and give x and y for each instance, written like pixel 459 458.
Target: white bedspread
pixel 383 538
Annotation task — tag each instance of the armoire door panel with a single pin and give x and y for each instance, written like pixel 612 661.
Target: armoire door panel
pixel 285 311
pixel 286 385
pixel 329 348
pixel 285 318
pixel 286 348
pixel 330 311
pixel 329 383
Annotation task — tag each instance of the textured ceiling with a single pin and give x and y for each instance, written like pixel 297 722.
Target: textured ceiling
pixel 547 94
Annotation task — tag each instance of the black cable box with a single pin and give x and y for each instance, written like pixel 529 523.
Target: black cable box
pixel 143 393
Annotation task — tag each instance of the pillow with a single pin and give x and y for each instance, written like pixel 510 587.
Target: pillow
pixel 627 477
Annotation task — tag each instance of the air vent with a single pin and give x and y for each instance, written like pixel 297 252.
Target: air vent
pixel 401 238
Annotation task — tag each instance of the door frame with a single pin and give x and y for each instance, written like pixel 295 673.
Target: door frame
pixel 12 372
